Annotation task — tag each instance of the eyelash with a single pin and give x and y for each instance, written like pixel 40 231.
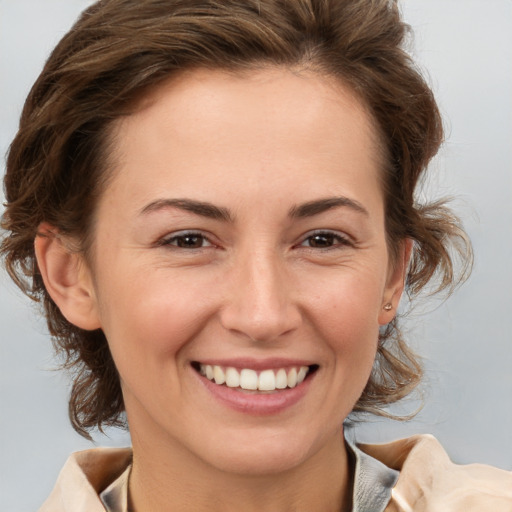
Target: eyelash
pixel 336 240
pixel 174 240
pixel 333 239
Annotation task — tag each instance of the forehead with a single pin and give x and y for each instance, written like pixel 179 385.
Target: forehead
pixel 202 123
pixel 282 95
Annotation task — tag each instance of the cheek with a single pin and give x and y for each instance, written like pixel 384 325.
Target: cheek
pixel 149 317
pixel 352 333
pixel 346 316
pixel 345 323
pixel 350 302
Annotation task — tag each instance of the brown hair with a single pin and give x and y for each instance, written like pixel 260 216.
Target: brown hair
pixel 58 162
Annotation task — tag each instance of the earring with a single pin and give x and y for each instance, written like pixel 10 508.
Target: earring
pixel 388 306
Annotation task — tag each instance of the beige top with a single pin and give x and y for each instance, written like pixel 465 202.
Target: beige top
pixel 428 481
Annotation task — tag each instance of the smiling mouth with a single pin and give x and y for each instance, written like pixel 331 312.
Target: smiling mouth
pixel 246 379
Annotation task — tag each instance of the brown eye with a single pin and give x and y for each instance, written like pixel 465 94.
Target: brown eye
pixel 324 240
pixel 321 241
pixel 187 241
pixel 190 241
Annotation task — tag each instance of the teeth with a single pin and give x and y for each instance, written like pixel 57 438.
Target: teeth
pixel 267 380
pixel 232 378
pixel 292 378
pixel 248 379
pixel 281 379
pixel 218 375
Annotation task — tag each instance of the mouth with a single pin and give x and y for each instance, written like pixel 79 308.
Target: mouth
pixel 248 380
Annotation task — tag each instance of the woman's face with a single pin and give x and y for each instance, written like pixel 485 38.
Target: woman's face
pixel 243 229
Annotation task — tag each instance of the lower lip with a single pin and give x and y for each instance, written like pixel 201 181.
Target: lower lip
pixel 258 404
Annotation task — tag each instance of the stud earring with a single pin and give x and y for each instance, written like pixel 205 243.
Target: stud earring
pixel 388 306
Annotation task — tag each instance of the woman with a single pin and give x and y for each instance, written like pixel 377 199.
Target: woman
pixel 214 202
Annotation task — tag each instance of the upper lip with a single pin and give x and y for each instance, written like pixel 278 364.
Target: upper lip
pixel 256 364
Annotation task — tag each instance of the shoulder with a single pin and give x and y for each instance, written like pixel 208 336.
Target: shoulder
pixel 429 481
pixel 84 475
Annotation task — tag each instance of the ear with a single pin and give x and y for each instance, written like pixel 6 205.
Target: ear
pixel 396 282
pixel 66 277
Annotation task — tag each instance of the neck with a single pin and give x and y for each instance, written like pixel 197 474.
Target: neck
pixel 169 478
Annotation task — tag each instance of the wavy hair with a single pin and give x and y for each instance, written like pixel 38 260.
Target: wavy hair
pixel 58 163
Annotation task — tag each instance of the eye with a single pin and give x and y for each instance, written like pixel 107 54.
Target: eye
pixel 324 240
pixel 187 240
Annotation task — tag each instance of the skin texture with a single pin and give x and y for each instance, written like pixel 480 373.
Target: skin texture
pixel 254 282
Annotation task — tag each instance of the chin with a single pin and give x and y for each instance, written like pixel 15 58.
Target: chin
pixel 258 455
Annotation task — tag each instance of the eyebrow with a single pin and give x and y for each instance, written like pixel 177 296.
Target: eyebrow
pixel 198 207
pixel 211 211
pixel 322 205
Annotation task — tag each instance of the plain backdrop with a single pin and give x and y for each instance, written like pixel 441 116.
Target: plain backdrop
pixel 465 49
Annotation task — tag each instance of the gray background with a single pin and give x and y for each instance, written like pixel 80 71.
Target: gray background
pixel 465 47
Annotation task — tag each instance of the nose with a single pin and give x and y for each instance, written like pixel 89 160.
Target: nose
pixel 260 304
